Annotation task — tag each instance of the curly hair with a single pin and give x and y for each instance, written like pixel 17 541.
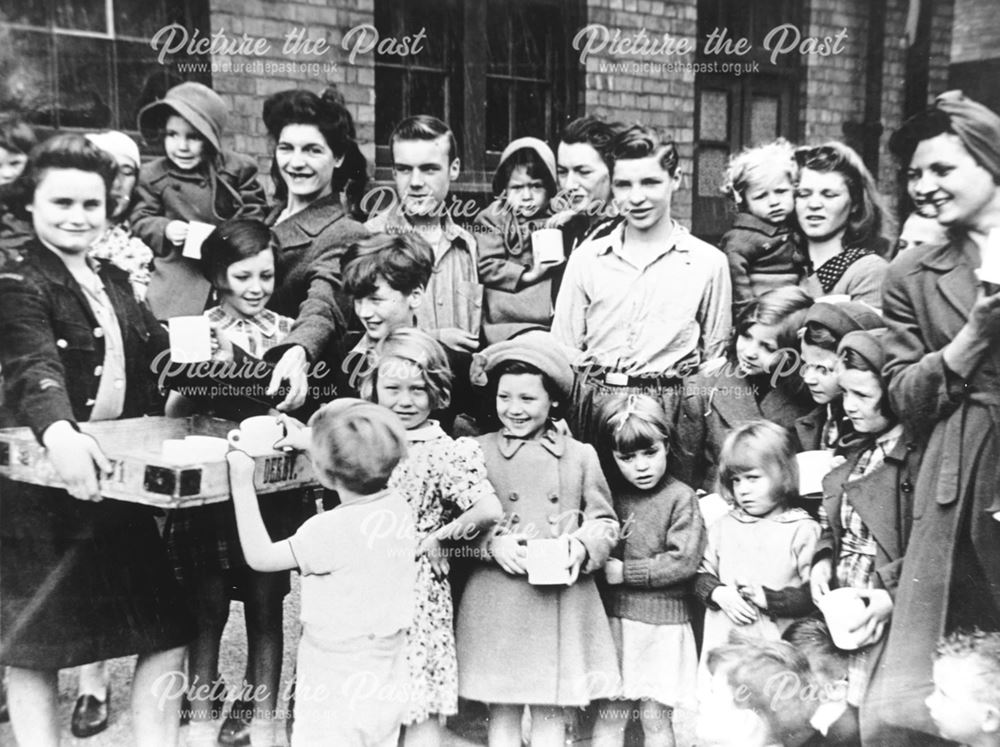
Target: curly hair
pixel 414 347
pixel 756 166
pixel 640 141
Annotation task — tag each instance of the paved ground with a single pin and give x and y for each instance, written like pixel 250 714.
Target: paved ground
pixel 118 733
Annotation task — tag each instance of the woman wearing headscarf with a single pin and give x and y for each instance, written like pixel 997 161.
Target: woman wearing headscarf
pixel 943 369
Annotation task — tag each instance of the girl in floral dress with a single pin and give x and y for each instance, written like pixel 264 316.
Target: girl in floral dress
pixel 444 481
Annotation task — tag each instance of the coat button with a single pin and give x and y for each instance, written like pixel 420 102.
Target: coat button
pixel 515 519
pixel 906 486
pixel 554 498
pixel 98 370
pixel 513 497
pixel 98 332
pixel 90 402
pixel 175 187
pixel 119 383
pixel 61 343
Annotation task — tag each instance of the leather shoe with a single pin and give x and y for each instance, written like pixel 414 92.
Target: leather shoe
pixel 90 716
pixel 235 730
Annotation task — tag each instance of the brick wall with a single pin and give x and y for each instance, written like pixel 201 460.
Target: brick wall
pixel 648 94
pixel 976 32
pixel 245 80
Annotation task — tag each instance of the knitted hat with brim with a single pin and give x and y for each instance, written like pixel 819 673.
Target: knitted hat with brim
pixel 536 348
pixel 202 107
pixel 841 318
pixel 869 344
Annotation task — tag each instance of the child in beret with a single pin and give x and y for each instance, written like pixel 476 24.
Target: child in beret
pixel 522 643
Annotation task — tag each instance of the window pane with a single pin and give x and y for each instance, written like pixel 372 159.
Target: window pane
pixel 30 12
pixel 711 166
pixel 389 102
pixel 531 105
pixel 498 38
pixel 713 119
pixel 427 95
pixel 27 84
pixel 435 17
pixel 136 67
pixel 497 114
pixel 84 82
pixel 529 30
pixel 763 119
pixel 81 15
pixel 142 18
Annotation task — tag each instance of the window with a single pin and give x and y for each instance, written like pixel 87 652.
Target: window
pixel 85 63
pixel 519 82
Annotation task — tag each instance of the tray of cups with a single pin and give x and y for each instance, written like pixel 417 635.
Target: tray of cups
pixel 167 462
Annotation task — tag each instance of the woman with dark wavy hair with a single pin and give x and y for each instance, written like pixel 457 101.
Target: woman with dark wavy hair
pixel 839 210
pixel 312 138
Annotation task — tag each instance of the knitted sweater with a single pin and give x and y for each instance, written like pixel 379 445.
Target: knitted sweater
pixel 663 540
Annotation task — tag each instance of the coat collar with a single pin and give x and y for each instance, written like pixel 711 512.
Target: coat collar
pixel 753 223
pixel 552 441
pixel 308 223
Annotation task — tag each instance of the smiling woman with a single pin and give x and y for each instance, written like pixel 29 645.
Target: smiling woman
pixel 312 135
pixel 81 580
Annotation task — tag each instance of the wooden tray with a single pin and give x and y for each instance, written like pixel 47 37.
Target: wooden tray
pixel 141 474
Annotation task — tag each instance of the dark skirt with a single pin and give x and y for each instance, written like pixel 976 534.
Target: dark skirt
pixel 205 538
pixel 68 601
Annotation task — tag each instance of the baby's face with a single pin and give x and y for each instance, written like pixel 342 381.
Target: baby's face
pixel 771 199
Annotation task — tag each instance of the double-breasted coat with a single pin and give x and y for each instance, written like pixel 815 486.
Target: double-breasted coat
pixel 954 548
pixel 545 645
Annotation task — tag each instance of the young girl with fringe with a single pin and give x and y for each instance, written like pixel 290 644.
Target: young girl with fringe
pixel 650 577
pixel 444 481
pixel 195 181
pixel 521 644
pixel 754 576
pixel 202 541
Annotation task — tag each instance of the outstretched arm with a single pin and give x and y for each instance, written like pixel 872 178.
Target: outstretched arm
pixel 261 553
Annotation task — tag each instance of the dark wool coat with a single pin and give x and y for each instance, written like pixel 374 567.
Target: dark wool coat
pixel 308 281
pixel 928 296
pixel 164 193
pixel 714 404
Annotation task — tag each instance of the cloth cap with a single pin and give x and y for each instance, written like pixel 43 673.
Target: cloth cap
pixel 869 344
pixel 202 107
pixel 841 318
pixel 117 144
pixel 536 348
pixel 977 126
pixel 542 150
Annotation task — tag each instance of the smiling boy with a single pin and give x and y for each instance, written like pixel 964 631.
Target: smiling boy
pixel 646 302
